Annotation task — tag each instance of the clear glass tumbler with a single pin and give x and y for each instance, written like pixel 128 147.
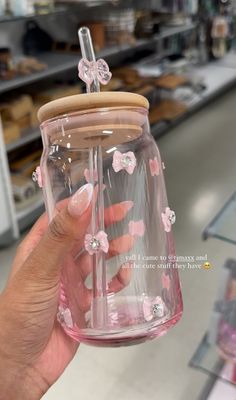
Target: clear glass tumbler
pixel 131 292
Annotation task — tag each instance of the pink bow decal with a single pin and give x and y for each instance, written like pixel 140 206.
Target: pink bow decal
pixel 154 167
pixel 37 177
pixel 136 228
pixel 153 307
pixel 90 70
pixel 126 161
pixel 168 219
pixel 94 244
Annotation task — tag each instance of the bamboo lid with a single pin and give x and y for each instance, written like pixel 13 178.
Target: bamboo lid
pixel 82 102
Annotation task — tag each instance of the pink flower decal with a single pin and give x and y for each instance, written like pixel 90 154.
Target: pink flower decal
pixel 37 177
pixel 165 281
pixel 136 228
pixel 94 244
pixel 154 167
pixel 87 176
pixel 168 219
pixel 89 71
pixel 126 161
pixel 153 307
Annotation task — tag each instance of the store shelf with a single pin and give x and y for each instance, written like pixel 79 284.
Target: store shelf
pixel 13 18
pixel 28 215
pixel 223 225
pixel 61 62
pixel 217 78
pixel 208 360
pixel 175 30
pixel 29 136
pixel 56 62
pixel 21 214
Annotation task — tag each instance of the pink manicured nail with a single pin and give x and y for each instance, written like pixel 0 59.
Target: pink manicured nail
pixel 81 200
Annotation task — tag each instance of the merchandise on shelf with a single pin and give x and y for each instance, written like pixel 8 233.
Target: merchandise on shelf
pixel 11 132
pixel 35 40
pixel 43 6
pixel 23 188
pixel 222 331
pixel 16 109
pixel 97 29
pixel 56 92
pixel 167 110
pixel 120 26
pixel 26 164
pixel 22 7
pixel 29 65
pixel 2 7
pixel 171 81
pixel 16 117
pixel 7 70
pixel 175 6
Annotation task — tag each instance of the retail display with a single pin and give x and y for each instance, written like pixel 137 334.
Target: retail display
pixel 29 65
pixel 219 34
pixel 6 65
pixel 171 81
pixel 44 96
pixel 66 47
pixel 226 309
pixel 22 7
pixel 98 33
pixel 104 139
pixel 17 112
pixel 11 132
pixel 167 110
pixel 35 39
pixel 43 6
pixel 120 26
pixel 23 189
pixel 2 7
pixel 26 164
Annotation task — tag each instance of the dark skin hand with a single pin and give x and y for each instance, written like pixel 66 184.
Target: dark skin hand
pixel 34 350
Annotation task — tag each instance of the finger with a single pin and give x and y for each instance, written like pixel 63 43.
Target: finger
pixel 120 245
pixel 69 226
pixel 28 244
pixel 117 212
pixel 112 214
pixel 117 246
pixel 121 279
pixel 34 236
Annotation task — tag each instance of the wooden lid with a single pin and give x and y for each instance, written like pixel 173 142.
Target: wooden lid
pixel 81 102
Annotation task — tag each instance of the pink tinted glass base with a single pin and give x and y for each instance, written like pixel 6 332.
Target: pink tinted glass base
pixel 135 329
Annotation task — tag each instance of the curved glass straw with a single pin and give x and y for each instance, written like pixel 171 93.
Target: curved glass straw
pixel 87 51
pixel 99 283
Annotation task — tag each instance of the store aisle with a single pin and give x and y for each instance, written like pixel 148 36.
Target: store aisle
pixel 200 173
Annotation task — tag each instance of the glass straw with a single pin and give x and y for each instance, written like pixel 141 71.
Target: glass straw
pixel 99 281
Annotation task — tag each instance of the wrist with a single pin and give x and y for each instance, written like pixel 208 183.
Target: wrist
pixel 20 383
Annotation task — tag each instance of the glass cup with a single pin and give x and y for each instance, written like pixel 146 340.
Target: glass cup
pixel 121 286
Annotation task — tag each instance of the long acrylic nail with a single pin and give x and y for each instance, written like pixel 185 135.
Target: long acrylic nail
pixel 81 200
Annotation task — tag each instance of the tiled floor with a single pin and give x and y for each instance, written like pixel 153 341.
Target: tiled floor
pixel 200 175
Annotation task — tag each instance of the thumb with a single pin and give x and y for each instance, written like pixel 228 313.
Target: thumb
pixel 66 229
